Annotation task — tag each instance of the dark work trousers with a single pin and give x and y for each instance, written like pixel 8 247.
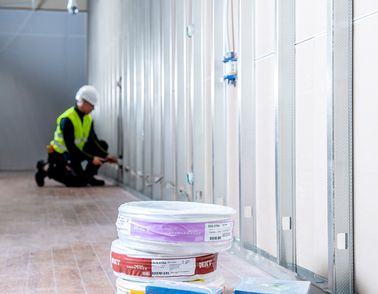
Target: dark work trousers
pixel 70 172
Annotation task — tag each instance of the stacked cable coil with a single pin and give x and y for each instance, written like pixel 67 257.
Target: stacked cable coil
pixel 171 241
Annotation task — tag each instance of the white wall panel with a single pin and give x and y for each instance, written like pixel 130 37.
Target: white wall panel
pixel 363 8
pixel 310 18
pixel 41 68
pixel 265 156
pixel 311 156
pixel 265 27
pixel 365 154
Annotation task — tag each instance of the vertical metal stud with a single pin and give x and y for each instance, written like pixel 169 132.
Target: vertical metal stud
pixel 156 93
pixel 168 53
pixel 340 146
pixel 199 100
pixel 181 79
pixel 140 98
pixel 247 125
pixel 189 99
pixel 285 132
pixel 219 108
pixel 147 110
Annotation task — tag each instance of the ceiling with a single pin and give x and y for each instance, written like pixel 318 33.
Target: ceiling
pixel 40 4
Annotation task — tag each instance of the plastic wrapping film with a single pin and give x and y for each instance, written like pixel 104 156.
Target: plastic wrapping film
pixel 133 287
pixel 167 226
pixel 141 266
pixel 183 288
pixel 266 285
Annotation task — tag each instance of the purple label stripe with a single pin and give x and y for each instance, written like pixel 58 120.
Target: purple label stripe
pixel 175 232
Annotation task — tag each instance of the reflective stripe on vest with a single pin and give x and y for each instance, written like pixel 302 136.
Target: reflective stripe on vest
pixel 81 130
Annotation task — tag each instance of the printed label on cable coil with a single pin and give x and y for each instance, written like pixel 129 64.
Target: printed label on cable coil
pixel 124 225
pixel 175 232
pixel 173 267
pixel 218 231
pixel 177 267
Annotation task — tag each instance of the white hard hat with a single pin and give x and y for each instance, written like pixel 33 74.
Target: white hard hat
pixel 87 93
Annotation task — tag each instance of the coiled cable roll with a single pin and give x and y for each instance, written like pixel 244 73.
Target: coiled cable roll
pixel 133 287
pixel 142 266
pixel 175 226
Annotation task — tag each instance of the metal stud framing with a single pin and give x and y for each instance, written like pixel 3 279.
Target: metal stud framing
pixel 172 97
pixel 340 142
pixel 219 108
pixel 285 132
pixel 247 133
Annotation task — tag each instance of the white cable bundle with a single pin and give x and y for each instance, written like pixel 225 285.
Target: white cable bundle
pixel 131 287
pixel 141 266
pixel 170 240
pixel 174 226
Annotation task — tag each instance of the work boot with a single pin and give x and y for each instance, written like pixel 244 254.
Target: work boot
pixel 92 181
pixel 40 174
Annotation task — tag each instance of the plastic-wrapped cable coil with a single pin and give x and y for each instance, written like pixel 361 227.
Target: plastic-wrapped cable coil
pixel 174 226
pixel 141 266
pixel 132 287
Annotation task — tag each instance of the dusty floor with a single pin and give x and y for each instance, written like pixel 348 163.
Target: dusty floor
pixel 57 240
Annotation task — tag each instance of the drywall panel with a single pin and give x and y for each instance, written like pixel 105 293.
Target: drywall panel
pixel 362 8
pixel 266 238
pixel 365 154
pixel 310 18
pixel 311 156
pixel 33 99
pixel 265 27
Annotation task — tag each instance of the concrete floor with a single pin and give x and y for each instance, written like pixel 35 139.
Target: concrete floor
pixel 57 240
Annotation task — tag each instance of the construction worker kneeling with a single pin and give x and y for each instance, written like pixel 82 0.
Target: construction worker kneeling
pixel 74 143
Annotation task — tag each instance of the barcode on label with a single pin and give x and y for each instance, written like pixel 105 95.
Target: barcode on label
pixel 160 273
pixel 218 231
pixel 173 267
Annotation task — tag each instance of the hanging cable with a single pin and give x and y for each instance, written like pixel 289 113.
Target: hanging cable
pixel 230 57
pixel 232 25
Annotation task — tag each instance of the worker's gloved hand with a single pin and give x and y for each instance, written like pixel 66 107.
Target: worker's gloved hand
pixel 98 160
pixel 111 159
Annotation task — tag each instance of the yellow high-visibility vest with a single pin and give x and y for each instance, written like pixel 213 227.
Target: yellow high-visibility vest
pixel 81 130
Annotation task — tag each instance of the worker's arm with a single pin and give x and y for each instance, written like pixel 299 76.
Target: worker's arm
pixel 93 140
pixel 69 138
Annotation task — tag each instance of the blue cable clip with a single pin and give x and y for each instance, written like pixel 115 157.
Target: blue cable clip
pixel 231 74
